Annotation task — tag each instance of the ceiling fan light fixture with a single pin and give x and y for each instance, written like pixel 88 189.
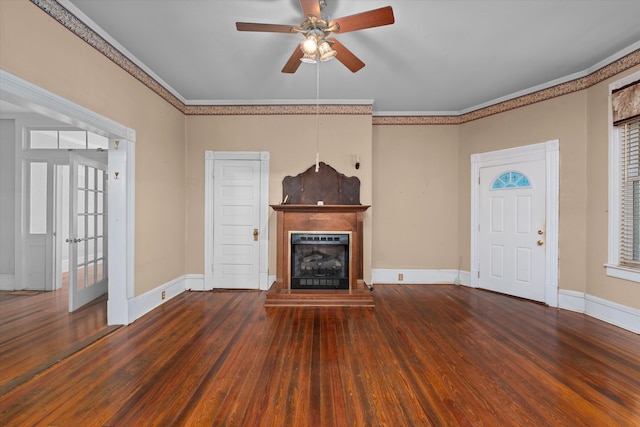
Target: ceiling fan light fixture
pixel 325 52
pixel 309 59
pixel 309 45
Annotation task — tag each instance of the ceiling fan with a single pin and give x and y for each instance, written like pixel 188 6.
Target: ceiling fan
pixel 316 44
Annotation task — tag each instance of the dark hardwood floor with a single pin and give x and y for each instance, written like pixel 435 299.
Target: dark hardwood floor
pixel 426 355
pixel 37 331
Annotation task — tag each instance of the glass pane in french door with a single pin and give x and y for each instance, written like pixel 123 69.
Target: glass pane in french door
pixel 90 226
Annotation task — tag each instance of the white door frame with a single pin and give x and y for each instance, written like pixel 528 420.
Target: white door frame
pixel 121 195
pixel 549 151
pixel 210 157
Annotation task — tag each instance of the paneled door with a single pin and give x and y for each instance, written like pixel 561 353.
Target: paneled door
pixel 236 230
pixel 512 229
pixel 87 231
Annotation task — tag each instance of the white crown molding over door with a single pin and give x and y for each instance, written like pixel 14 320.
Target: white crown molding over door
pixel 548 151
pixel 210 158
pixel 121 195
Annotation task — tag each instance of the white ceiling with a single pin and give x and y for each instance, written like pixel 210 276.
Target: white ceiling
pixel 440 56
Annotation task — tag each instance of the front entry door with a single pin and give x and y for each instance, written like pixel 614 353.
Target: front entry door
pixel 87 231
pixel 512 229
pixel 236 230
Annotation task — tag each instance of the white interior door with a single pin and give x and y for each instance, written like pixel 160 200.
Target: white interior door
pixel 512 229
pixel 236 224
pixel 87 231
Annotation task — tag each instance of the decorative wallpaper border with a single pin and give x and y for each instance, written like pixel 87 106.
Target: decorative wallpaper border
pixel 285 109
pixel 79 28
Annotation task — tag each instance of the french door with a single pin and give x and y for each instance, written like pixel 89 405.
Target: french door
pixel 87 231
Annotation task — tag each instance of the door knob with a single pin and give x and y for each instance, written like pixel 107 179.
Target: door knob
pixel 255 234
pixel 540 243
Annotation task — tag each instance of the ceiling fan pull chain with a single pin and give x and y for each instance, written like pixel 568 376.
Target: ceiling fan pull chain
pixel 317 116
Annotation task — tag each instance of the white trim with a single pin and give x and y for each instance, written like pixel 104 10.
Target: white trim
pixel 143 304
pixel 121 196
pixel 571 300
pixel 630 274
pixel 608 311
pixel 614 313
pixel 210 157
pixel 194 282
pixel 417 276
pixel 121 229
pixel 549 151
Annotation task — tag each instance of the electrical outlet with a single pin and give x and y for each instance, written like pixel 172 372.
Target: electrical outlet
pixel 400 277
pixel 164 295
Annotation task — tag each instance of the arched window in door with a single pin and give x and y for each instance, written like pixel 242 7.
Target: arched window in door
pixel 511 179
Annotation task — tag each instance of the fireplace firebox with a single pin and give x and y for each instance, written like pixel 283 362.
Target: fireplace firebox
pixel 320 260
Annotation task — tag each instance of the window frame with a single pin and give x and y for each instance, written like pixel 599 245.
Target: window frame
pixel 613 267
pixel 58 129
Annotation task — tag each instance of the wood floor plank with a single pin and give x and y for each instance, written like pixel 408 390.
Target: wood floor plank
pixel 37 331
pixel 433 355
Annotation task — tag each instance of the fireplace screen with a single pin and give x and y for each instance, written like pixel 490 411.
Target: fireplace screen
pixel 320 261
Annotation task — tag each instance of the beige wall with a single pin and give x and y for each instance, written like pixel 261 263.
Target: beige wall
pixel 291 143
pixel 415 196
pixel 38 49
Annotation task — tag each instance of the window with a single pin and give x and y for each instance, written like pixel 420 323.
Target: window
pixel 66 139
pixel 630 197
pixel 624 181
pixel 510 180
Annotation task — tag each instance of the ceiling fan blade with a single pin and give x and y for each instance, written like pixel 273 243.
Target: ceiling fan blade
pixel 310 7
pixel 265 28
pixel 345 56
pixel 369 19
pixel 294 62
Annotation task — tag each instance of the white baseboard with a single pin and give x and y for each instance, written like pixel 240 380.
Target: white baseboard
pixel 7 282
pixel 614 313
pixel 143 304
pixel 571 300
pixel 608 311
pixel 414 276
pixel 194 282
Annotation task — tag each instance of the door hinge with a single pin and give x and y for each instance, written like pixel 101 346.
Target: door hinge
pixel 478 274
pixel 478 180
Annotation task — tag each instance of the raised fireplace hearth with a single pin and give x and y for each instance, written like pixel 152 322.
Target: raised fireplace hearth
pixel 319 254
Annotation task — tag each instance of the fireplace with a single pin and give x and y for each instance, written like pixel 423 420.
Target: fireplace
pixel 331 284
pixel 319 260
pixel 319 245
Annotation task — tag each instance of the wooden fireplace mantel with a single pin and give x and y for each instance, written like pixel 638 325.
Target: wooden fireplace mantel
pixel 320 218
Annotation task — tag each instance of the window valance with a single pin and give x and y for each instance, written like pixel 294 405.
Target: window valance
pixel 626 103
